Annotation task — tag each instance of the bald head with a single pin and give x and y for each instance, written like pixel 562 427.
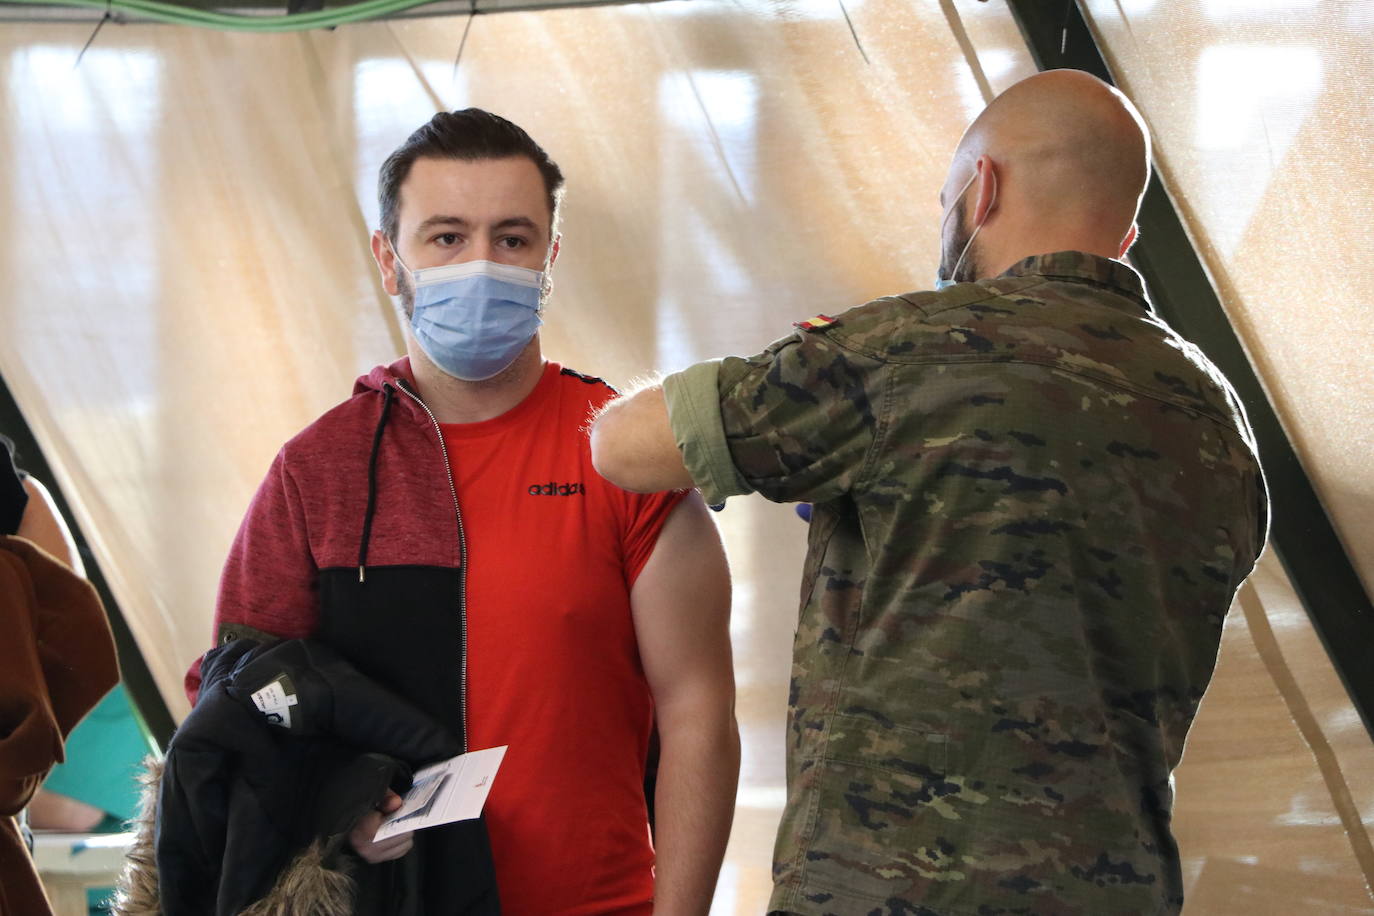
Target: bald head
pixel 1071 159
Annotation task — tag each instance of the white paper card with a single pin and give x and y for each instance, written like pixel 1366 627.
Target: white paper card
pixel 452 790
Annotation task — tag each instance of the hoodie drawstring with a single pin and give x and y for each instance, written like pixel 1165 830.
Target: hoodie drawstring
pixel 387 392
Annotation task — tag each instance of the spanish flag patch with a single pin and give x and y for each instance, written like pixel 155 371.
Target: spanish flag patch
pixel 815 324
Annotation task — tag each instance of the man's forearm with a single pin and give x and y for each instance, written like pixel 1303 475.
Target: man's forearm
pixel 694 804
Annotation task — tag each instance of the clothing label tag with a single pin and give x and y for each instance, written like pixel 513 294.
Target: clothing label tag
pixel 275 701
pixel 453 790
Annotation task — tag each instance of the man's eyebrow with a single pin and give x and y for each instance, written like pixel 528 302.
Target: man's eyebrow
pixel 434 221
pixel 510 222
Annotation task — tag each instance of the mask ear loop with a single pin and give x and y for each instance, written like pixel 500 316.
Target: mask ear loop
pixel 954 271
pixel 546 274
pixel 944 220
pixel 399 302
pixel 957 197
pixel 397 255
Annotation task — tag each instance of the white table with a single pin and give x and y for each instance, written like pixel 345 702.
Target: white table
pixel 69 863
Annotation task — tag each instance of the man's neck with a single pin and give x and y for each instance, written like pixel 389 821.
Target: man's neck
pixel 997 255
pixel 453 400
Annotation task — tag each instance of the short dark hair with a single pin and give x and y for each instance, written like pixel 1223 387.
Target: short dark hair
pixel 469 135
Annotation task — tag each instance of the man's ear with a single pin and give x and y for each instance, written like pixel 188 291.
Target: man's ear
pixel 553 250
pixel 1128 241
pixel 985 186
pixel 386 262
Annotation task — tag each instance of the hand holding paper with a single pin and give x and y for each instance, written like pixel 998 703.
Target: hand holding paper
pixel 452 790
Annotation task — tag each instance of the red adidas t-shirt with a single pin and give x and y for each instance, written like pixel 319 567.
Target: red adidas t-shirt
pixel 553 665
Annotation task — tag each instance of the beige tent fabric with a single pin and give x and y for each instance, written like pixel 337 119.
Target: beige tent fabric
pixel 1260 111
pixel 184 287
pixel 189 284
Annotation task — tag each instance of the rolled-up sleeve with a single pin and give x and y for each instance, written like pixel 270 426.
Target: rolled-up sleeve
pixel 794 423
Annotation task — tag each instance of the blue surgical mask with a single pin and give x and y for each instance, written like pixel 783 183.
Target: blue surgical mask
pixel 946 282
pixel 473 319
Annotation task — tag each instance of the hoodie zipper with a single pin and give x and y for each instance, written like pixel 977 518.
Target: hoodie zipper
pixel 462 568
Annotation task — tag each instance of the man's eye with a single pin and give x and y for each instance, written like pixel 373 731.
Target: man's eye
pixel 512 241
pixel 448 238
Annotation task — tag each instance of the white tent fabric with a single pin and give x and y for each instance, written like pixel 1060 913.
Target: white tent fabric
pixel 188 284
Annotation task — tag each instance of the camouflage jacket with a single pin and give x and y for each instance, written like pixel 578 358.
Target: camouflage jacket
pixel 1034 503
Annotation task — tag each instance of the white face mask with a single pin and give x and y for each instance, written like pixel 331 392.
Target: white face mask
pixel 942 282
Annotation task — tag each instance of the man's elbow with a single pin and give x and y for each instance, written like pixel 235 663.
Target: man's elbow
pixel 699 716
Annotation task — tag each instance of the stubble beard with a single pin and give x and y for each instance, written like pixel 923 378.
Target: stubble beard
pixel 407 294
pixel 968 271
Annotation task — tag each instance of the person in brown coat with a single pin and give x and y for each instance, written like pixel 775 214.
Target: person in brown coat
pixel 57 659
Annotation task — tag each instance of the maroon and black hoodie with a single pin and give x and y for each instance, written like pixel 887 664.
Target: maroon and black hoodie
pixel 306 563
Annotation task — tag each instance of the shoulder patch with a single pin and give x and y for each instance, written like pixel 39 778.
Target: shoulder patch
pixel 815 324
pixel 587 379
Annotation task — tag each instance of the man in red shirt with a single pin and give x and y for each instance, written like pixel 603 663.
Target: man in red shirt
pixel 445 530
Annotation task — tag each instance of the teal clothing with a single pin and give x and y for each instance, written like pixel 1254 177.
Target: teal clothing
pixel 104 754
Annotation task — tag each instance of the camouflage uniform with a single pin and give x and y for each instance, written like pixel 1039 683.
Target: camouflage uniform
pixel 1034 503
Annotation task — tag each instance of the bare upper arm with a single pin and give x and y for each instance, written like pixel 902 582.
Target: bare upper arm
pixel 681 606
pixel 43 525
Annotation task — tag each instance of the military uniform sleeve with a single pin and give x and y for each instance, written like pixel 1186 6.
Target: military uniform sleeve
pixel 797 422
pixel 1256 483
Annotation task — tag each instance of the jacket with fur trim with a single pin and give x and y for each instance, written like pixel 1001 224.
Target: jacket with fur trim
pixel 253 806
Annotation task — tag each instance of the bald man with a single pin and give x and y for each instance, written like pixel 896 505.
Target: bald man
pixel 1034 503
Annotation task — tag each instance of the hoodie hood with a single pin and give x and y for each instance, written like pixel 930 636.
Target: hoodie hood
pixel 381 375
pixel 396 376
